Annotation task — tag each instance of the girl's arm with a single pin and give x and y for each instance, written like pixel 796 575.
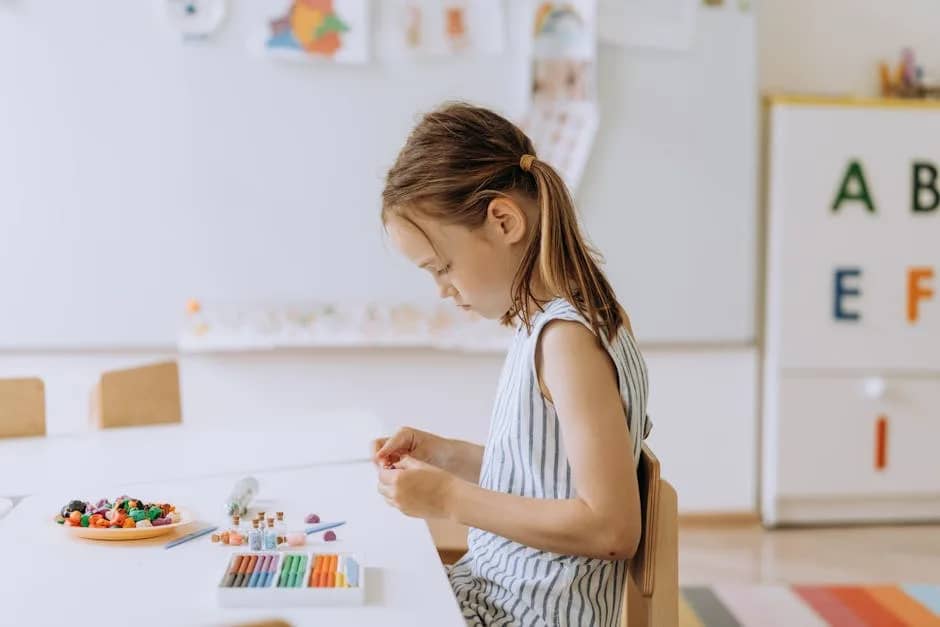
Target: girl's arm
pixel 464 459
pixel 603 521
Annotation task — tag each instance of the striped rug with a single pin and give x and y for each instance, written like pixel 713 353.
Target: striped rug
pixel 810 606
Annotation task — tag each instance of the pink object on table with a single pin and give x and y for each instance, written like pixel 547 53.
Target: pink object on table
pixel 312 519
pixel 329 536
pixel 296 539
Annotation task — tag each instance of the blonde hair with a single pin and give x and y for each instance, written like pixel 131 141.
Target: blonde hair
pixel 459 158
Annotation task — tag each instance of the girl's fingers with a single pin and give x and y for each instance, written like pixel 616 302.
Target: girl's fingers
pixel 387 476
pixel 399 444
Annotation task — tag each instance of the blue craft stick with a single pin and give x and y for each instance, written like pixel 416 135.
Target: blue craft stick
pixel 324 526
pixel 190 536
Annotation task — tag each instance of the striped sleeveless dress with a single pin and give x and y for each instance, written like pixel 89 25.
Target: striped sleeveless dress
pixel 501 582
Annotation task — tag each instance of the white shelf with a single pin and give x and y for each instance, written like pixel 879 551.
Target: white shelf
pixel 230 329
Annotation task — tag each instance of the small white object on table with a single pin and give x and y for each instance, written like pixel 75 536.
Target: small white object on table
pixel 50 575
pixel 141 454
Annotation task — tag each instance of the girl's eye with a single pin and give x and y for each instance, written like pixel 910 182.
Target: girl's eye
pixel 444 270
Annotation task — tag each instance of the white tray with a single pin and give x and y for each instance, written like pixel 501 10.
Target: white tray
pixel 271 595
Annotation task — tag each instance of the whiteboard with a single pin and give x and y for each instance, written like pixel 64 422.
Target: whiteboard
pixel 137 172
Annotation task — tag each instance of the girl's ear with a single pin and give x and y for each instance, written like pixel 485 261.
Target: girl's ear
pixel 506 220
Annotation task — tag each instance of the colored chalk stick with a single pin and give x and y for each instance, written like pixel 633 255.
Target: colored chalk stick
pixel 232 571
pixel 292 571
pixel 292 574
pixel 341 581
pixel 258 572
pixel 252 562
pixel 253 575
pixel 285 566
pixel 242 570
pixel 272 570
pixel 298 572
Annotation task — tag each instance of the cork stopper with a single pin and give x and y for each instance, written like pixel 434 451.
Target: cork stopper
pixel 280 516
pixel 254 523
pixel 281 539
pixel 270 521
pixel 260 515
pixel 216 538
pixel 236 519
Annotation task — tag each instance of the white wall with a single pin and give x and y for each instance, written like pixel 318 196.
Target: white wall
pixel 834 46
pixel 702 399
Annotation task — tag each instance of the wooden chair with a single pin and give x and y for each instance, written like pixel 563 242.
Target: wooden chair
pixel 133 397
pixel 652 594
pixel 22 408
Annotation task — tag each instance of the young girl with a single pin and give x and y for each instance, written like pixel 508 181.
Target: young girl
pixel 552 499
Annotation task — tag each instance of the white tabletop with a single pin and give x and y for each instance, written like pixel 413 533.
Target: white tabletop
pixel 51 578
pixel 138 454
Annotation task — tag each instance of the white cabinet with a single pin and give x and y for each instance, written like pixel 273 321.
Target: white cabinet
pixel 851 331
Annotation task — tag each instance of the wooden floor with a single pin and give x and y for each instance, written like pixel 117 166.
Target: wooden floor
pixel 712 553
pixel 750 554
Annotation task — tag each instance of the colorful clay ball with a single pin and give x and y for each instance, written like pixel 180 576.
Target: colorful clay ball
pixel 74 506
pixel 155 512
pixel 329 536
pixel 312 519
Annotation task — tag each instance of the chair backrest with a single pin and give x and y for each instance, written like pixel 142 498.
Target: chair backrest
pixel 643 564
pixel 22 408
pixel 133 397
pixel 652 594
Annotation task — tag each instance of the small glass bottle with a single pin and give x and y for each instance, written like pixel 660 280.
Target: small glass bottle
pixel 270 536
pixel 236 536
pixel 254 537
pixel 281 527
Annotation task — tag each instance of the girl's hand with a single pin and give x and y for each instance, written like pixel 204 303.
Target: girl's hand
pixel 419 445
pixel 418 489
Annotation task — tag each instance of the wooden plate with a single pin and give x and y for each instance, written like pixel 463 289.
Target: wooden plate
pixel 133 533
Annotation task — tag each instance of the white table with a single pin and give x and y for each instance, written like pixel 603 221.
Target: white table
pixel 49 575
pixel 138 454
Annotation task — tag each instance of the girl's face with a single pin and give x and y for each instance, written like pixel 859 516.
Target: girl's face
pixel 475 267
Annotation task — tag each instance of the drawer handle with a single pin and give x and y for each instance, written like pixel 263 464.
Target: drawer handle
pixel 881 443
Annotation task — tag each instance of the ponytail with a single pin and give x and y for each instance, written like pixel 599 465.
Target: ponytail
pixel 566 263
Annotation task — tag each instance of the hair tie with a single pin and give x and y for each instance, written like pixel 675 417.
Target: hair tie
pixel 526 161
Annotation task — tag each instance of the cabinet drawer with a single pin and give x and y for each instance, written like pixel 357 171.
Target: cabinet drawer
pixel 828 436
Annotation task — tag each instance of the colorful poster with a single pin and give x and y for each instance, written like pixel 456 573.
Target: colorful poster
pixel 563 118
pixel 331 30
pixel 415 28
